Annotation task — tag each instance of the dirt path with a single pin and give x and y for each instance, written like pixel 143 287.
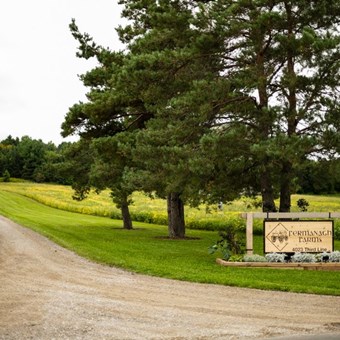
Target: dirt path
pixel 47 292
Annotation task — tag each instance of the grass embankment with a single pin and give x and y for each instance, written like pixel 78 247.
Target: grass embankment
pixel 145 250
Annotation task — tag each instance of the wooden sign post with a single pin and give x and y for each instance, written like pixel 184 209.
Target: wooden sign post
pixel 301 245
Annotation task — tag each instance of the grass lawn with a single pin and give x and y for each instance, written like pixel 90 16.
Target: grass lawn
pixel 147 250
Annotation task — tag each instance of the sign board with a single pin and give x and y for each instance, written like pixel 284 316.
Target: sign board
pixel 282 236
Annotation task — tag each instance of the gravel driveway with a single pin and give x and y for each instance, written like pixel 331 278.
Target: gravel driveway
pixel 47 292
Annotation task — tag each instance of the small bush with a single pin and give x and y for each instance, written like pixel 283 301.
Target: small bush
pixel 322 257
pixel 334 256
pixel 275 257
pixel 302 204
pixel 303 257
pixel 230 243
pixel 254 258
pixel 236 258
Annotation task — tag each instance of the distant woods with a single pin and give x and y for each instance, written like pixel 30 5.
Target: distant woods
pixel 34 160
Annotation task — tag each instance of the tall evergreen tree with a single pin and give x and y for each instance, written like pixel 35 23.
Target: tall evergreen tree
pixel 136 89
pixel 109 111
pixel 277 80
pixel 169 57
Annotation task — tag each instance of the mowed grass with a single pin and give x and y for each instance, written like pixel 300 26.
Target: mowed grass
pixel 147 250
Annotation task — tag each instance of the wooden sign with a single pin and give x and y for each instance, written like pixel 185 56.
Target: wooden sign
pixel 282 236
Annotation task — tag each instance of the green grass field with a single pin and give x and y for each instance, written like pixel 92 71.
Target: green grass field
pixel 146 249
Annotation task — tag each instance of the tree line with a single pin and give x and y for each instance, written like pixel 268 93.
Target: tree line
pixel 33 160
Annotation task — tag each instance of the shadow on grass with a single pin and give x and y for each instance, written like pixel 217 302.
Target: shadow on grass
pixel 133 229
pixel 186 238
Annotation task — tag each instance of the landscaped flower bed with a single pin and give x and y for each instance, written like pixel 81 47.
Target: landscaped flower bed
pixel 307 261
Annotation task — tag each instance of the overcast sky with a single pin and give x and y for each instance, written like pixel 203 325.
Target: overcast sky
pixel 38 67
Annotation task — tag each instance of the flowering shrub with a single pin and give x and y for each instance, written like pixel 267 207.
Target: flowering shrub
pixel 334 256
pixel 254 258
pixel 303 257
pixel 275 257
pixel 322 257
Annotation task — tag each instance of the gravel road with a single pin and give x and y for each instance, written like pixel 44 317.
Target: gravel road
pixel 47 292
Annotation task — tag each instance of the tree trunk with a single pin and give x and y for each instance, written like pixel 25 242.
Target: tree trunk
pixel 176 223
pixel 292 117
pixel 127 222
pixel 268 204
pixel 285 189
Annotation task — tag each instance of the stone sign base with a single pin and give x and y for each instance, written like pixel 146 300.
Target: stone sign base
pixel 278 265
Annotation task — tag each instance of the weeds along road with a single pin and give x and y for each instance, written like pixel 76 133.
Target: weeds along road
pixel 48 292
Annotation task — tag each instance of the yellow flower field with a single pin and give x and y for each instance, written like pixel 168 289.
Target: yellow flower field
pixel 147 209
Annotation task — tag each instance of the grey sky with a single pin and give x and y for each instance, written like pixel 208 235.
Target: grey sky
pixel 38 66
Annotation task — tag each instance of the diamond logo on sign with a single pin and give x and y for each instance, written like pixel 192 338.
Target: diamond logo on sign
pixel 278 237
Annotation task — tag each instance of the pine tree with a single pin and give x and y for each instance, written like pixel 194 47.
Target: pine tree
pixel 277 80
pixel 97 122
